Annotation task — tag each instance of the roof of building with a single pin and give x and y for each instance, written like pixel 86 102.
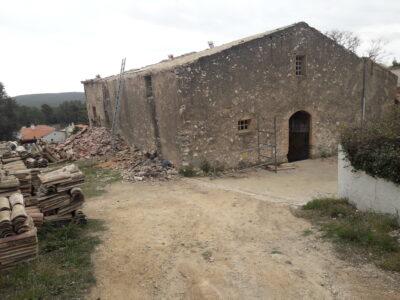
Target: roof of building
pixel 396 71
pixel 193 56
pixel 35 132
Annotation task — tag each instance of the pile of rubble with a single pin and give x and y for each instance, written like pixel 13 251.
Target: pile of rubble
pixel 95 142
pixel 138 166
pixel 88 143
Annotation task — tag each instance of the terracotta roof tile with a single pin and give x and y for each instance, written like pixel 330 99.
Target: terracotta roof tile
pixel 37 132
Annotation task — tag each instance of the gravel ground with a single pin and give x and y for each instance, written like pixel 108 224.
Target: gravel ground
pixel 229 238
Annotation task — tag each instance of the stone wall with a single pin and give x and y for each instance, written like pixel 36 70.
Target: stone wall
pixel 139 115
pixel 196 107
pixel 257 80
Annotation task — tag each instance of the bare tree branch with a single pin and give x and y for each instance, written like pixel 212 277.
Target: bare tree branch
pixel 347 39
pixel 376 50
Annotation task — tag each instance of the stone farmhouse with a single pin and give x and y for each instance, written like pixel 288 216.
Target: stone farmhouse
pixel 283 93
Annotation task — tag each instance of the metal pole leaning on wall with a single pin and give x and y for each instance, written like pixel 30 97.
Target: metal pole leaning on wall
pixel 258 141
pixel 117 104
pixel 363 100
pixel 275 147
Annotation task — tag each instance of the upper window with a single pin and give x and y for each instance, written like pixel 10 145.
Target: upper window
pixel 149 86
pixel 300 65
pixel 243 124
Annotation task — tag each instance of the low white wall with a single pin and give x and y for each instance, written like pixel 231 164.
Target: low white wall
pixel 366 192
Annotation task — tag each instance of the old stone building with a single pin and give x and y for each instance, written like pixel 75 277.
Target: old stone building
pixel 230 105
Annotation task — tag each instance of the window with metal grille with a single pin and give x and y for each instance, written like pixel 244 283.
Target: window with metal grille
pixel 300 65
pixel 149 86
pixel 244 124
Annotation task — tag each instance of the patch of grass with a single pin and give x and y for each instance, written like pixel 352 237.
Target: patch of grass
pixel 63 269
pixel 187 171
pixel 307 232
pixel 365 234
pixel 97 178
pixel 330 207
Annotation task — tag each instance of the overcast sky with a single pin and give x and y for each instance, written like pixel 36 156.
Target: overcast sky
pixel 51 45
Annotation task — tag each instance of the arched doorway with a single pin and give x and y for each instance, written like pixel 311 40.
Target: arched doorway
pixel 299 136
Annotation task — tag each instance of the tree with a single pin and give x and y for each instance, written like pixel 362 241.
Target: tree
pixel 8 116
pixel 48 114
pixel 347 39
pixel 71 111
pixel 376 50
pixel 29 115
pixel 395 63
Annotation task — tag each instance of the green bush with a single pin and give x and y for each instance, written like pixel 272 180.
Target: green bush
pixel 205 166
pixel 187 171
pixel 375 148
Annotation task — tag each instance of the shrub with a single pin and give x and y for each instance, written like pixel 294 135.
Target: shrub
pixel 211 169
pixel 375 148
pixel 187 171
pixel 205 166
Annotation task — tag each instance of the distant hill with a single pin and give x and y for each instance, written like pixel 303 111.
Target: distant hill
pixel 52 99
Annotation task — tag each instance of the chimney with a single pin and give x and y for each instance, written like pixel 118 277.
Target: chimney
pixel 32 126
pixel 170 56
pixel 211 44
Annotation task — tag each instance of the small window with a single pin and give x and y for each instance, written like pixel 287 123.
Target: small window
pixel 243 124
pixel 149 86
pixel 300 65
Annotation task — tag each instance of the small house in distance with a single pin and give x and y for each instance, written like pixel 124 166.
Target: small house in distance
pixel 282 93
pixel 35 132
pixel 42 132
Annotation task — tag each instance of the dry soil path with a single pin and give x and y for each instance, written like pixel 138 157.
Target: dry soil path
pixel 185 240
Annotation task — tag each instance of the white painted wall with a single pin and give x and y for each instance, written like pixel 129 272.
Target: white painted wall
pixel 55 137
pixel 366 192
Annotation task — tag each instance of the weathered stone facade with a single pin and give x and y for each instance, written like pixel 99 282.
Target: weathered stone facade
pixel 197 100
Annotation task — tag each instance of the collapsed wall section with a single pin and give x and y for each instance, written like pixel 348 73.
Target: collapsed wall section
pixel 147 118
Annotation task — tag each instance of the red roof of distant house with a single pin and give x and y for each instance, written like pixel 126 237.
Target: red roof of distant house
pixel 35 132
pixel 81 126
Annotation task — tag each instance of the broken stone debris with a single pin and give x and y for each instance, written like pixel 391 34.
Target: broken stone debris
pixel 95 142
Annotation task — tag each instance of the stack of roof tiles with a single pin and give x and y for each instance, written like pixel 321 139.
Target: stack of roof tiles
pixel 13 165
pixel 9 184
pixel 18 238
pixel 60 195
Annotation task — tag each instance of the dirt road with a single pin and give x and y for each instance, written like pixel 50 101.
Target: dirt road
pixel 186 239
